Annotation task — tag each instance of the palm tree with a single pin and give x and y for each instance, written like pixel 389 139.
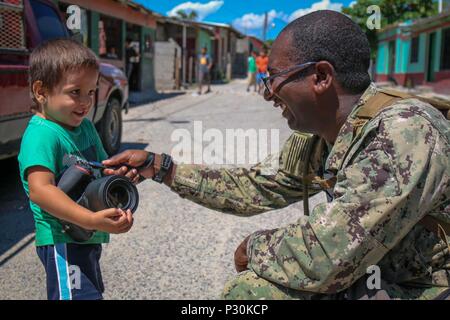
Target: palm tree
pixel 183 15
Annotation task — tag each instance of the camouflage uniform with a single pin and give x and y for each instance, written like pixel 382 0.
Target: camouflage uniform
pixel 389 173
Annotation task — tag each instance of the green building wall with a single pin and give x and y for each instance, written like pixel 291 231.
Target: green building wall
pixel 94 18
pixel 147 60
pixel 438 51
pixel 147 69
pixel 419 66
pixel 203 40
pixel 403 54
pixel 382 58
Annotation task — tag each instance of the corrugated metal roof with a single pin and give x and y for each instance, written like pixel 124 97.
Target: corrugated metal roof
pixel 421 23
pixel 139 7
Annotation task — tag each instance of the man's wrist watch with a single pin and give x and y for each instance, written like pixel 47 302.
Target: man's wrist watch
pixel 147 164
pixel 166 165
pixel 149 161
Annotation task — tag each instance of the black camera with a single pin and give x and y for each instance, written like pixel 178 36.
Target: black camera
pixel 84 185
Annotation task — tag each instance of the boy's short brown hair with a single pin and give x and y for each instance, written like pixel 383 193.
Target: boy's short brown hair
pixel 52 59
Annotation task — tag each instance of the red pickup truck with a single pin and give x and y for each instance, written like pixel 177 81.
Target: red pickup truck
pixel 23 25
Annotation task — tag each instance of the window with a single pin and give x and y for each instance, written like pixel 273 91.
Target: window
pixel 414 50
pixel 445 63
pixel 110 37
pixel 48 21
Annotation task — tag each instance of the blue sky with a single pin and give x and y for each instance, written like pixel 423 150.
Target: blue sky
pixel 246 15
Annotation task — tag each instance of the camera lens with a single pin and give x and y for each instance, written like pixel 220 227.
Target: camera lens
pixel 117 196
pixel 111 192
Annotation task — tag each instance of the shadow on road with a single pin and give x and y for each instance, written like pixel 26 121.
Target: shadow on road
pixel 16 219
pixel 146 119
pixel 132 145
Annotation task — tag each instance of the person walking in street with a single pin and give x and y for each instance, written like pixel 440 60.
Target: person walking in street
pixel 204 70
pixel 251 80
pixel 262 62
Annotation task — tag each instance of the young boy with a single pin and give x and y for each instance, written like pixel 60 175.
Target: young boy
pixel 262 61
pixel 63 81
pixel 204 70
pixel 251 79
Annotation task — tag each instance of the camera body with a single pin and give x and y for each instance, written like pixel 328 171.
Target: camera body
pixel 81 183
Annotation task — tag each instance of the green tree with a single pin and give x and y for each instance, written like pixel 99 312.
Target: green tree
pixel 392 11
pixel 183 15
pixel 269 43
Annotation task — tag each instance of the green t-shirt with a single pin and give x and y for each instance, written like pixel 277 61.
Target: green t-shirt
pixel 47 144
pixel 251 64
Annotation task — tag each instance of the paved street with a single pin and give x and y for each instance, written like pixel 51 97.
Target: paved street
pixel 176 249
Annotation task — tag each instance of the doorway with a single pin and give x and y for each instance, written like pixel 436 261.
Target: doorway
pixel 391 59
pixel 133 33
pixel 430 76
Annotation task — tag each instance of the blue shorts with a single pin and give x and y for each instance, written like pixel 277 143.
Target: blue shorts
pixel 73 271
pixel 259 77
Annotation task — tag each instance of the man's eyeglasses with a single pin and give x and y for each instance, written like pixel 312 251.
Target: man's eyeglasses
pixel 268 80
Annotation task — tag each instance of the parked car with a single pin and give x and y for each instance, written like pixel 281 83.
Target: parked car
pixel 25 24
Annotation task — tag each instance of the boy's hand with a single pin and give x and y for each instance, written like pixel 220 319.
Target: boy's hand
pixel 111 220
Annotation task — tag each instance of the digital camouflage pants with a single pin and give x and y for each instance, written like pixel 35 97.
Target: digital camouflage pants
pixel 249 286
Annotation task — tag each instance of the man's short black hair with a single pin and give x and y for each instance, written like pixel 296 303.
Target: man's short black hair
pixel 333 37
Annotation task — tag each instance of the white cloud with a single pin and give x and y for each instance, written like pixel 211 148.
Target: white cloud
pixel 202 9
pixel 352 4
pixel 322 5
pixel 252 21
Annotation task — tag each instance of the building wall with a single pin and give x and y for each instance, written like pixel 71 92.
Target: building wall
pixel 117 10
pixel 382 67
pixel 93 31
pixel 400 55
pixel 167 61
pixel 437 50
pixel 419 66
pixel 114 9
pixel 147 60
pixel 203 40
pixel 405 71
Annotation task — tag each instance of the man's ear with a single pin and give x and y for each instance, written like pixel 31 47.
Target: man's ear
pixel 40 92
pixel 323 77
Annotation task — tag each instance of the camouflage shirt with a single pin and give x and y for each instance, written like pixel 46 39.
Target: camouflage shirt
pixel 389 176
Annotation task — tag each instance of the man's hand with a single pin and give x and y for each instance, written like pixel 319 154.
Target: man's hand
pixel 130 158
pixel 240 256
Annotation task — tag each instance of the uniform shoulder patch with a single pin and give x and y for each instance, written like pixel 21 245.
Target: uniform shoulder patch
pixel 295 153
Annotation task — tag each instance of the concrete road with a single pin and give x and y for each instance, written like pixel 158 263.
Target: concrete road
pixel 176 249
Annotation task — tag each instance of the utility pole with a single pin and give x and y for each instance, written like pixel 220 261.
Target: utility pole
pixel 183 77
pixel 266 21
